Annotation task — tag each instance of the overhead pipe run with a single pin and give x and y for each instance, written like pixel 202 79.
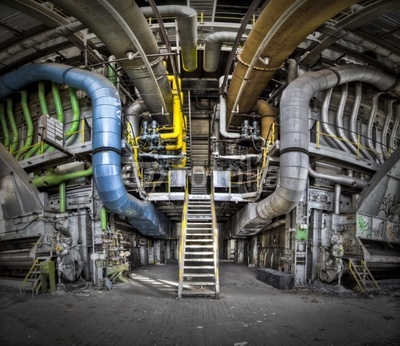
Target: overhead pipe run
pixel 212 48
pixel 106 140
pixel 186 19
pixel 122 27
pixel 294 140
pixel 280 28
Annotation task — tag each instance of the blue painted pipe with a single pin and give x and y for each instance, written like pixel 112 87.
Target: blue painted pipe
pixel 106 139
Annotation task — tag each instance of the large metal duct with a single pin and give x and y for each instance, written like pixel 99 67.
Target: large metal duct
pixel 281 27
pixel 106 139
pixel 186 19
pixel 98 17
pixel 294 139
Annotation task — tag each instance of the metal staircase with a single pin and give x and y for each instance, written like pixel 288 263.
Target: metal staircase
pixel 33 280
pixel 198 253
pixel 365 281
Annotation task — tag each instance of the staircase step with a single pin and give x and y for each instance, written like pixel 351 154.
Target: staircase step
pixel 200 283
pixel 198 267
pixel 205 253
pixel 199 259
pixel 199 275
pixel 196 293
pixel 199 240
pixel 199 234
pixel 200 246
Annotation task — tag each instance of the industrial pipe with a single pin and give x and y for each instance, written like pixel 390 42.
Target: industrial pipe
pixel 339 118
pixel 294 127
pixel 212 48
pixel 394 129
pixel 340 179
pixel 280 28
pixel 37 39
pixel 6 134
pixel 103 219
pixel 76 115
pixel 63 197
pixel 186 18
pixel 56 179
pixel 389 114
pixel 123 20
pixel 57 102
pixel 13 125
pixel 222 115
pixel 372 116
pixel 353 119
pixel 106 139
pixel 29 124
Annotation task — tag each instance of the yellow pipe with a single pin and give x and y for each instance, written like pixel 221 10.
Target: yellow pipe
pixel 178 123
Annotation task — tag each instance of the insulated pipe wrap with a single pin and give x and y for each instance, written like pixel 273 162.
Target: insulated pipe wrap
pixel 186 18
pixel 106 144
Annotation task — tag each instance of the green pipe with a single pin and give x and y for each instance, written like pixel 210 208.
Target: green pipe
pixel 29 124
pixel 112 76
pixel 76 114
pixel 13 125
pixel 56 179
pixel 44 110
pixel 57 102
pixel 103 219
pixel 6 135
pixel 42 98
pixel 63 197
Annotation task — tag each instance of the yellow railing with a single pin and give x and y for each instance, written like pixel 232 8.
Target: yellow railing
pixel 182 239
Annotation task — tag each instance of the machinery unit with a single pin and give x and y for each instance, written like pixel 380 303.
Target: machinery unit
pixel 119 119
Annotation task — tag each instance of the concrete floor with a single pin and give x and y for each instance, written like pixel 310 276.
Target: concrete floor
pixel 147 312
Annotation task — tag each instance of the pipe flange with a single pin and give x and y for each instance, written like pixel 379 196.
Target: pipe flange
pixel 258 68
pixel 152 63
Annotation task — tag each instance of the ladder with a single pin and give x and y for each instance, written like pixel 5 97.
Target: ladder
pixel 198 252
pixel 32 281
pixel 365 281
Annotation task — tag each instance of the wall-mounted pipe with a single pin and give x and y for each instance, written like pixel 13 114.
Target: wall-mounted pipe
pixel 186 19
pixel 339 179
pixel 103 219
pixel 106 139
pixel 353 118
pixel 13 125
pixel 56 179
pixel 339 118
pixel 222 114
pixel 123 20
pixel 57 102
pixel 280 28
pixel 4 127
pixel 71 133
pixel 63 197
pixel 29 124
pixel 294 138
pixel 389 114
pixel 394 129
pixel 371 122
pixel 212 48
pixel 331 138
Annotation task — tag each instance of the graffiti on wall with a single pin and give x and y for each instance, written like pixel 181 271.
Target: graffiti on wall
pixel 378 229
pixel 390 207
